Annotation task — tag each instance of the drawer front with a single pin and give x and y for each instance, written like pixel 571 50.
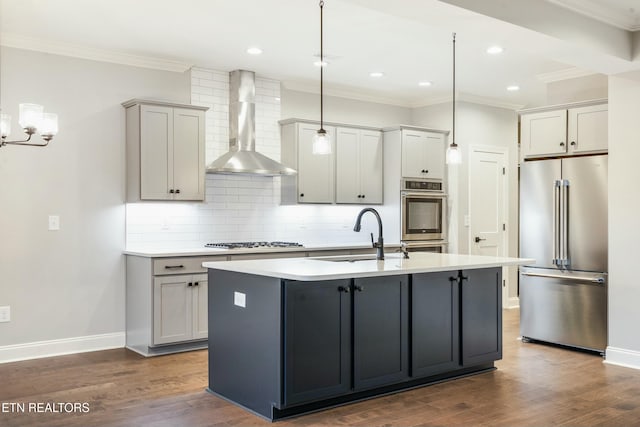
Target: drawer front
pixel 183 265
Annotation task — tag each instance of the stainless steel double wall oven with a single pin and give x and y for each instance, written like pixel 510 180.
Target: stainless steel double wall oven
pixel 423 211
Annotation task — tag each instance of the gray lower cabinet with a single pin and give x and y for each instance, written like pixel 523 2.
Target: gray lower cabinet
pixel 435 319
pixel 319 331
pixel 481 315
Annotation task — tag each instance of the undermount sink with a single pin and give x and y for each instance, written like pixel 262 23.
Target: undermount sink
pixel 353 258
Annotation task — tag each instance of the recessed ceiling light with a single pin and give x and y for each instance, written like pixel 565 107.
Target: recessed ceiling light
pixel 425 83
pixel 319 63
pixel 513 88
pixel 254 51
pixel 495 50
pixel 376 74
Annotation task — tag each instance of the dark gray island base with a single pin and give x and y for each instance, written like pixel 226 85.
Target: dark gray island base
pixel 281 347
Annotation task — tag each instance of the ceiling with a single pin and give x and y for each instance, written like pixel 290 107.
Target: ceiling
pixel 407 40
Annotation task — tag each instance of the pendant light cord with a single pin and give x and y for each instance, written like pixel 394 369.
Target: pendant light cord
pixel 321 69
pixel 453 130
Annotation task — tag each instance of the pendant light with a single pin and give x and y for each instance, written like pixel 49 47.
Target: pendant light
pixel 454 157
pixel 321 140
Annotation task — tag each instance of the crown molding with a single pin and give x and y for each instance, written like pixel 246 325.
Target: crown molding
pixel 564 74
pixel 103 55
pixel 601 12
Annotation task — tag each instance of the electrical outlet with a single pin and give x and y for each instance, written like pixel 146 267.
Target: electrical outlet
pixel 54 222
pixel 5 314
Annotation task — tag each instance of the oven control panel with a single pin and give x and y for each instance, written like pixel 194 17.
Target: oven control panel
pixel 421 185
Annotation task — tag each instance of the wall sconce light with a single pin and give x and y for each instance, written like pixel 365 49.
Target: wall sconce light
pixel 32 119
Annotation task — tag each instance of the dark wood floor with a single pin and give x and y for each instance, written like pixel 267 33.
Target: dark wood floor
pixel 535 385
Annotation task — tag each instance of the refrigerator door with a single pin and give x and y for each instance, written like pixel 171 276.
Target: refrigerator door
pixel 564 307
pixel 586 206
pixel 538 211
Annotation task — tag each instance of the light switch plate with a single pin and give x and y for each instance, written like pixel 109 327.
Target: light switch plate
pixel 240 299
pixel 5 314
pixel 54 222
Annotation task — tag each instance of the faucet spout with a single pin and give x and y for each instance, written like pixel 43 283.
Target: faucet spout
pixel 379 245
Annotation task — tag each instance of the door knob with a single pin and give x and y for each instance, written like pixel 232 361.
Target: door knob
pixel 478 239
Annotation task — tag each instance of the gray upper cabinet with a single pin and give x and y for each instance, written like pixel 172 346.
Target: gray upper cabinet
pixel 358 166
pixel 579 129
pixel 314 182
pixel 352 173
pixel 422 154
pixel 165 151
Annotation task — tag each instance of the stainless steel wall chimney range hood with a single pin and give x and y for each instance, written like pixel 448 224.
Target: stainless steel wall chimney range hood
pixel 242 157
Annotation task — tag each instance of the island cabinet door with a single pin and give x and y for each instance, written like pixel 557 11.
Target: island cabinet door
pixel 435 329
pixel 481 316
pixel 317 345
pixel 380 331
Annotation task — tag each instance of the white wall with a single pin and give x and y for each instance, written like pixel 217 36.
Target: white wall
pixel 304 105
pixel 477 125
pixel 624 232
pixel 579 89
pixel 68 283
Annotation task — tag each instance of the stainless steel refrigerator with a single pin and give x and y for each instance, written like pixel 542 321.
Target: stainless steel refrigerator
pixel 563 226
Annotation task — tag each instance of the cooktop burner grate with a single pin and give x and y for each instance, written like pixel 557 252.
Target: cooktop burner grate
pixel 243 245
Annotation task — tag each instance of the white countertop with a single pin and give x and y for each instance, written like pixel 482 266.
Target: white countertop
pixel 202 251
pixel 321 268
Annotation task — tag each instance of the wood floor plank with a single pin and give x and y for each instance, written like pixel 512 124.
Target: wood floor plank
pixel 534 385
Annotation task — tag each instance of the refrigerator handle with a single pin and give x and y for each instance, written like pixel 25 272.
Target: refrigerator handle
pixel 565 222
pixel 597 280
pixel 556 217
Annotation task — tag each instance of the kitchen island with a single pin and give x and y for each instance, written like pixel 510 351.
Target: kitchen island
pixel 289 336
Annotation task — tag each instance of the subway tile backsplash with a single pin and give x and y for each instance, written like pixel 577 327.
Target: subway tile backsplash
pixel 239 207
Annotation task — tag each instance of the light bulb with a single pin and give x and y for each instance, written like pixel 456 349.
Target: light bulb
pixel 5 125
pixel 321 143
pixel 454 156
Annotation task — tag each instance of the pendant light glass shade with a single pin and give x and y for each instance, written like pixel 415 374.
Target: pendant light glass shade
pixel 30 116
pixel 321 143
pixel 454 156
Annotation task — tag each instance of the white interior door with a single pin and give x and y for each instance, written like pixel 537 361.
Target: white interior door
pixel 488 203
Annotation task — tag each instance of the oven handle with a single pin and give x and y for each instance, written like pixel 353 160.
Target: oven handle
pixel 424 194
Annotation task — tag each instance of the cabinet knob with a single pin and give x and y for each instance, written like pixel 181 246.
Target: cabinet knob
pixel 426 171
pixel 359 196
pixel 573 143
pixel 363 196
pixel 561 144
pixel 344 289
pixel 453 279
pixel 171 191
pixel 190 284
pixel 301 194
pixel 178 191
pixel 195 283
pixel 359 288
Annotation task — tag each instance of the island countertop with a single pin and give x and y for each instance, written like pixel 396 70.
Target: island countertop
pixel 339 267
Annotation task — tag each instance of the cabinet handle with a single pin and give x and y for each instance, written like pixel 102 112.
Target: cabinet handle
pixel 358 288
pixel 453 279
pixel 561 144
pixel 190 284
pixel 169 267
pixel 171 191
pixel 344 289
pixel 463 278
pixel 573 143
pixel 178 191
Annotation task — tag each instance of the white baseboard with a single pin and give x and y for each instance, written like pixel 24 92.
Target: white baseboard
pixel 622 357
pixel 36 350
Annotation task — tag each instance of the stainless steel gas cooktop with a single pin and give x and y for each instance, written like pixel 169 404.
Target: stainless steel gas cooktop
pixel 243 245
